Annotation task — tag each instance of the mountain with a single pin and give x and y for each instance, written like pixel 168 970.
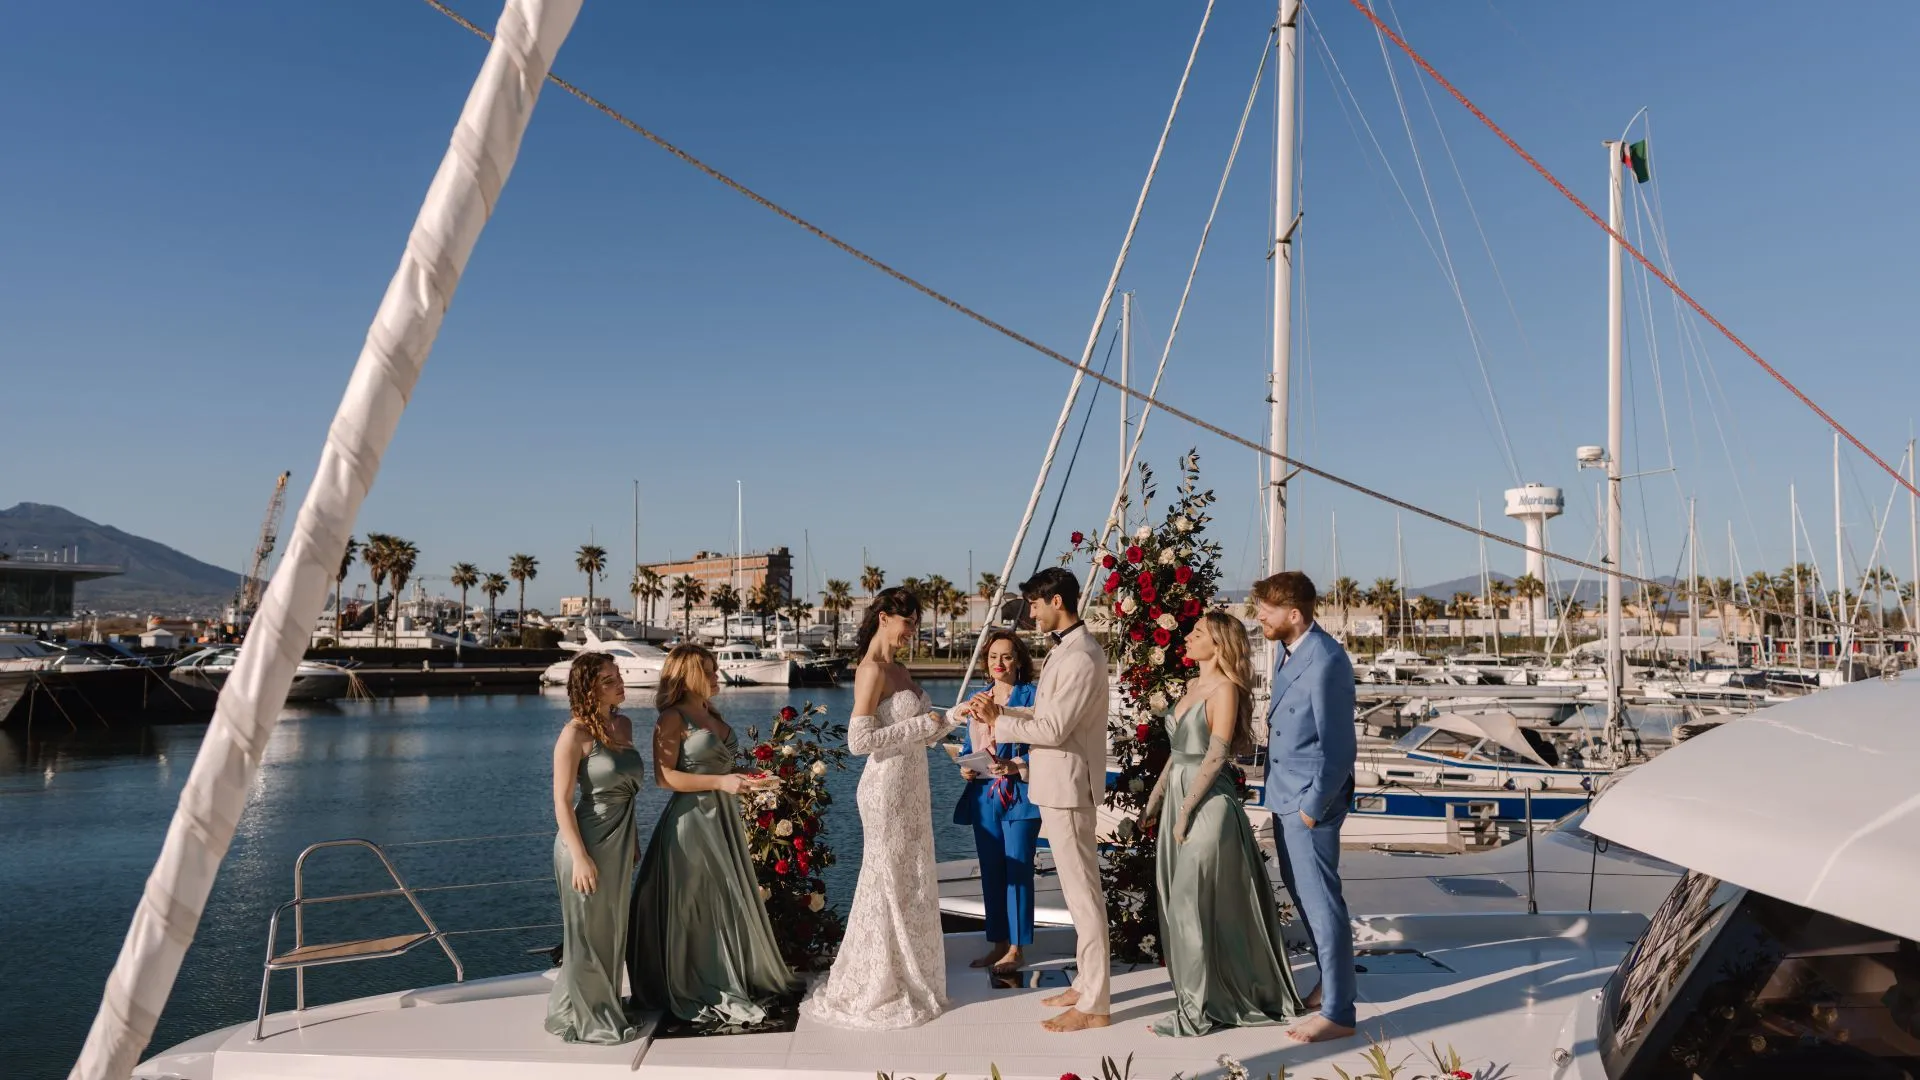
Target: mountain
pixel 157 578
pixel 1592 591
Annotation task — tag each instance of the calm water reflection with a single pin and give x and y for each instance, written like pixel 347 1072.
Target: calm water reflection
pixel 82 817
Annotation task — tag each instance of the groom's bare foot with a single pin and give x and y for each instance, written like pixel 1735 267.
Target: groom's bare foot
pixel 1312 1001
pixel 1065 999
pixel 1009 961
pixel 1075 1020
pixel 1317 1029
pixel 992 958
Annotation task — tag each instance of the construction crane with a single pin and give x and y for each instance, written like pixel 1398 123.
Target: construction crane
pixel 247 600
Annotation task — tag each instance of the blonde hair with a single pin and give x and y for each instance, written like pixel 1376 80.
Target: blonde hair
pixel 690 671
pixel 1231 657
pixel 583 696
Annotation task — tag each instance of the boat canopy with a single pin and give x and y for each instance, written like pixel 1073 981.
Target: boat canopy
pixel 1813 801
pixel 1501 727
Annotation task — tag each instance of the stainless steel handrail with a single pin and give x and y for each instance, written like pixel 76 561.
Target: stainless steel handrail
pixel 301 901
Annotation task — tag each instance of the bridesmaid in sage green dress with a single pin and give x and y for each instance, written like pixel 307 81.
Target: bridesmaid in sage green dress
pixel 1219 926
pixel 703 949
pixel 596 773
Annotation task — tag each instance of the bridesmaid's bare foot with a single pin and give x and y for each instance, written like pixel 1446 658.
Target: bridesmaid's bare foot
pixel 1065 999
pixel 1009 962
pixel 1075 1020
pixel 992 958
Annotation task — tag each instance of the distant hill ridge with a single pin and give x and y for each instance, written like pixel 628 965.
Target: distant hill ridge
pixel 157 578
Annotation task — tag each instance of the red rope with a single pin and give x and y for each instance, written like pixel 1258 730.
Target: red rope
pixel 1421 62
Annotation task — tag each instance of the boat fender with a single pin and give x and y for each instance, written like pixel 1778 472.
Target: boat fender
pixel 1367 778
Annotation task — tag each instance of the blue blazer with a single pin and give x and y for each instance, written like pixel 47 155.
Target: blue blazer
pixel 1310 741
pixel 978 805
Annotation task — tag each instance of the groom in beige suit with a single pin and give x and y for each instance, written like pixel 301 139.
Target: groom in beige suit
pixel 1067 774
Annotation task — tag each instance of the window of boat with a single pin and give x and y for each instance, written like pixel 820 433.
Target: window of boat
pixel 1733 985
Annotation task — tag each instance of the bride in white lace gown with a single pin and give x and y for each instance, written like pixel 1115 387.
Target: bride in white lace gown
pixel 891 971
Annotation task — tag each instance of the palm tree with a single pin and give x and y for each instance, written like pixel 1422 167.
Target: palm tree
pixel 797 611
pixel 493 585
pixel 1528 588
pixel 1879 579
pixel 377 556
pixel 590 560
pixel 523 568
pixel 340 580
pixel 1499 598
pixel 725 600
pixel 465 576
pixel 933 597
pixel 688 591
pixel 1344 594
pixel 873 579
pixel 1425 608
pixel 989 584
pixel 952 604
pixel 649 586
pixel 1462 607
pixel 836 600
pixel 1572 612
pixel 763 602
pixel 919 589
pixel 1657 597
pixel 1385 598
pixel 405 554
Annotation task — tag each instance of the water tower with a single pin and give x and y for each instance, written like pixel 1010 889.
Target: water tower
pixel 1534 504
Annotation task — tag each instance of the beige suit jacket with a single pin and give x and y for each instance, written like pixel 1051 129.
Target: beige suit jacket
pixel 1067 726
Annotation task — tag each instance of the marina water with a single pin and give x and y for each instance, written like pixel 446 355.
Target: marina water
pixel 83 816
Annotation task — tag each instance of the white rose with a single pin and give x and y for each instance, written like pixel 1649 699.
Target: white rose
pixel 816 901
pixel 1159 699
pixel 1166 621
pixel 765 894
pixel 1147 942
pixel 784 828
pixel 1186 553
pixel 1158 656
pixel 1129 605
pixel 1182 524
pixel 819 768
pixel 1143 534
pixel 1167 557
pixel 788 750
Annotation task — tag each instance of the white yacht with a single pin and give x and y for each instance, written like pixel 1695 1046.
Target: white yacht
pixel 24 652
pixel 640 664
pixel 743 664
pixel 1491 669
pixel 312 680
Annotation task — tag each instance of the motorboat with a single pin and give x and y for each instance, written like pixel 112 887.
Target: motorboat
pixel 1404 666
pixel 24 652
pixel 312 681
pixel 744 664
pixel 1491 669
pixel 640 664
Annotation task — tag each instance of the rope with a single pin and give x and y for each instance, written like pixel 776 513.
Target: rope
pixel 547 878
pixel 503 929
pixel 1066 478
pixel 469 839
pixel 1151 400
pixel 1684 295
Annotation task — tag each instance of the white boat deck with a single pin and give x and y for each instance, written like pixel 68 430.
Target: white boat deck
pixel 1513 982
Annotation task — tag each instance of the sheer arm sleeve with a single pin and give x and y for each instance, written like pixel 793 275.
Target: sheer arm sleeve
pixel 1203 778
pixel 867 735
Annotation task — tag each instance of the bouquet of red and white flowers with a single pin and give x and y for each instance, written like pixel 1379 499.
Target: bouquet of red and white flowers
pixel 785 827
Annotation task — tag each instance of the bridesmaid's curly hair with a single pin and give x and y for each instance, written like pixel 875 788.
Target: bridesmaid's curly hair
pixel 583 695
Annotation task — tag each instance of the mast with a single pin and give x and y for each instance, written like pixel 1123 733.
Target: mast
pixel 636 551
pixel 1333 516
pixel 1126 401
pixel 1400 568
pixel 1913 537
pixel 1799 587
pixel 1616 334
pixel 1286 40
pixel 1693 591
pixel 739 536
pixel 1839 602
pixel 1486 586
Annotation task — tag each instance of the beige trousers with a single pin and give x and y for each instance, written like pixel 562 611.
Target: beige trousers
pixel 1069 833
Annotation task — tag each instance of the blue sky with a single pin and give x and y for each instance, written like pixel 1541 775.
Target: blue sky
pixel 203 204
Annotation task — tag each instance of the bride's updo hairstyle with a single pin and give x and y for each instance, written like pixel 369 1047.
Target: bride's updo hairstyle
pixel 897 601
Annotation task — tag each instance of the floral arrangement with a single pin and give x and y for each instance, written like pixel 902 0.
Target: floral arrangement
pixel 1153 585
pixel 785 824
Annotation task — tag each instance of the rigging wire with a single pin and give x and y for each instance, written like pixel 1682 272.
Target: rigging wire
pixel 1087 371
pixel 1699 309
pixel 1066 478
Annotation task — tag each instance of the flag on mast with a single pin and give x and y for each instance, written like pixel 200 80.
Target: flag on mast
pixel 1636 157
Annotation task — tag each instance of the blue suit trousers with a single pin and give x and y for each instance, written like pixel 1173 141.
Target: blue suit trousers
pixel 1310 866
pixel 1006 875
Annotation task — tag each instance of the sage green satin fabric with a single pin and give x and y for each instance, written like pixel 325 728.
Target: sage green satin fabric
pixel 703 948
pixel 584 1005
pixel 1219 928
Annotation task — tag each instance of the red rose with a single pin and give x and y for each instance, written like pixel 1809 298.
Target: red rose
pixel 789 713
pixel 1113 581
pixel 1118 613
pixel 800 860
pixel 1190 609
pixel 1153 613
pixel 786 770
pixel 1161 636
pixel 1137 634
pixel 781 867
pixel 1140 732
pixel 765 820
pixel 1148 594
pixel 1189 661
pixel 1461 1074
pixel 763 753
pixel 1183 574
pixel 1078 538
pixel 1069 1076
pixel 1108 561
pixel 1146 579
pixel 1134 554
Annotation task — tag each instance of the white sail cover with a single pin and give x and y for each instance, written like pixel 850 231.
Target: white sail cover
pixel 461 198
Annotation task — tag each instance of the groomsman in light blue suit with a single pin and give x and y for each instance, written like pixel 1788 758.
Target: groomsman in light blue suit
pixel 1310 752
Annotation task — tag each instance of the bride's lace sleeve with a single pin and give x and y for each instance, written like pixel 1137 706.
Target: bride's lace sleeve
pixel 868 735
